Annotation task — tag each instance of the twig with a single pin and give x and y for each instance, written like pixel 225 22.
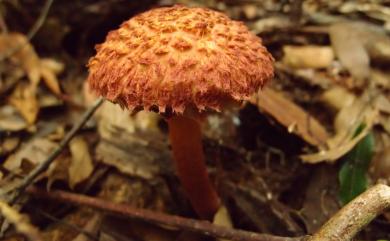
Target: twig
pixel 354 216
pixel 203 227
pixel 21 224
pixel 29 179
pixel 34 29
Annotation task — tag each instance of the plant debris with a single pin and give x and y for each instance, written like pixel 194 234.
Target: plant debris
pixel 283 163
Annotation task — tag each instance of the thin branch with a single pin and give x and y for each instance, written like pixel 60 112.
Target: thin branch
pixel 347 222
pixel 197 226
pixel 34 29
pixel 29 179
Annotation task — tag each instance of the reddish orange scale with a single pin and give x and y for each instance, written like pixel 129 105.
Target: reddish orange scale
pixel 179 57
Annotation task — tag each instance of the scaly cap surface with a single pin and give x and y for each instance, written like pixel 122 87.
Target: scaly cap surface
pixel 173 58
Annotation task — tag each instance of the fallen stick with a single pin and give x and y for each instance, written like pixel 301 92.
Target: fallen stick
pixel 348 221
pixel 198 226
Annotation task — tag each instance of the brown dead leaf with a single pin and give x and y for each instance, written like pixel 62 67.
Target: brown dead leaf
pixel 51 81
pixel 340 149
pixel 133 144
pixel 338 97
pixel 290 115
pixel 49 70
pixel 52 65
pixel 24 99
pixel 28 59
pixel 81 166
pixel 380 79
pixel 308 56
pixel 20 222
pixel 382 103
pixel 10 120
pixel 350 117
pixel 58 170
pixel 35 151
pixel 25 56
pixel 361 110
pixel 9 144
pixel 349 46
pixel 378 46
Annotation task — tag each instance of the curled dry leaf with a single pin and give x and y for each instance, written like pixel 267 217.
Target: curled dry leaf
pixel 34 151
pixel 346 121
pixel 338 97
pixel 20 222
pixel 349 47
pixel 380 79
pixel 340 149
pixel 81 165
pixel 308 56
pixel 25 56
pixel 125 139
pixel 24 99
pixel 7 145
pixel 50 68
pixel 293 117
pixel 10 120
pixel 355 43
pixel 350 117
pixel 382 103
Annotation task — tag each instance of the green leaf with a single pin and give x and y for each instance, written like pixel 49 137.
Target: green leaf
pixel 353 172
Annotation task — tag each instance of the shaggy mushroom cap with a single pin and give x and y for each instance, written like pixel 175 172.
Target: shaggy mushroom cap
pixel 175 58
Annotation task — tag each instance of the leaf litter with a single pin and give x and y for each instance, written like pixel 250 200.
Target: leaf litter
pixel 282 161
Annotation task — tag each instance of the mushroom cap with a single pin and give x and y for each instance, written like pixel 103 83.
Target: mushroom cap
pixel 176 58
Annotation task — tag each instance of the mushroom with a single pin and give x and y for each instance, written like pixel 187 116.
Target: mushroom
pixel 182 62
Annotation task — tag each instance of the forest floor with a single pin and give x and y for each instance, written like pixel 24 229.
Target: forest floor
pixel 283 163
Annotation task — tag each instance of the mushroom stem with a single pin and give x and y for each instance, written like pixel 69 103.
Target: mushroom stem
pixel 186 141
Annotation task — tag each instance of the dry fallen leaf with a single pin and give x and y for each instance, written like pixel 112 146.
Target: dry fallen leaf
pixel 35 151
pixel 349 47
pixel 24 99
pixel 8 144
pixel 10 120
pixel 339 150
pixel 349 118
pixel 293 117
pixel 133 144
pixel 25 56
pixel 20 222
pixel 380 79
pixel 308 56
pixel 338 97
pixel 81 165
pixel 51 81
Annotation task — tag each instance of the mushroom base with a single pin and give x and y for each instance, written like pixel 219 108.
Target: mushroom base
pixel 186 140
